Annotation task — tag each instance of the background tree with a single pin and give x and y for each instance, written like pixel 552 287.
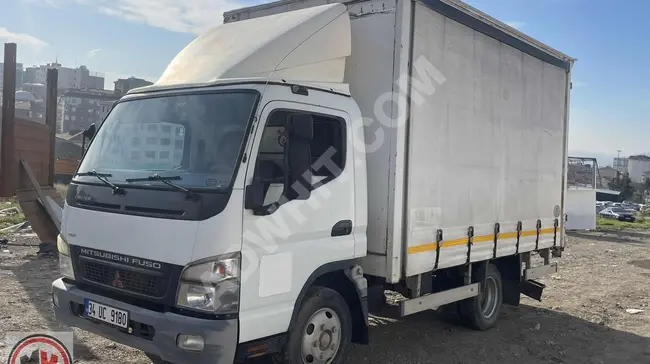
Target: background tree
pixel 622 183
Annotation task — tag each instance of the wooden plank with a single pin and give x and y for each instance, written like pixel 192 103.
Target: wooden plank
pixel 32 131
pixel 41 195
pixel 35 213
pixel 28 125
pixel 42 225
pixel 8 167
pixel 29 122
pixel 50 118
pixel 32 158
pixel 25 126
pixel 37 156
pixel 65 166
pixel 31 195
pixel 38 138
pixel 36 170
pixel 25 182
pixel 33 146
pixel 25 140
pixel 33 155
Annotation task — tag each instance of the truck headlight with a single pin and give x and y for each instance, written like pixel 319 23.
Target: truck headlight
pixel 65 262
pixel 211 285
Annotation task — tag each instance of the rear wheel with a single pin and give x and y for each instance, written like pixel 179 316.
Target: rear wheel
pixel 482 312
pixel 322 332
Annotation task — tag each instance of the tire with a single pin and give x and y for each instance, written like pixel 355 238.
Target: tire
pixel 321 313
pixel 482 312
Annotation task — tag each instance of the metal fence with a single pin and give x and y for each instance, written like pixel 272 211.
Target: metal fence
pixel 583 173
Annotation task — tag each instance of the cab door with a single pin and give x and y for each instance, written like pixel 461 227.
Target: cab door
pixel 300 228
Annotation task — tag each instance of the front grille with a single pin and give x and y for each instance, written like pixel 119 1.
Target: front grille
pixel 141 283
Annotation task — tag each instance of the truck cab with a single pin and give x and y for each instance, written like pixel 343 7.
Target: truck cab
pixel 224 207
pixel 205 210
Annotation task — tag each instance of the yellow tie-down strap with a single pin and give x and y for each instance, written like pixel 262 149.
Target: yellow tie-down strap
pixel 476 240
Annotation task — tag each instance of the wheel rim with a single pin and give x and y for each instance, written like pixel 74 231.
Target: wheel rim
pixel 321 337
pixel 489 297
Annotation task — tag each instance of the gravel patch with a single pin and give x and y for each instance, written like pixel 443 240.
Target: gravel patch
pixel 584 317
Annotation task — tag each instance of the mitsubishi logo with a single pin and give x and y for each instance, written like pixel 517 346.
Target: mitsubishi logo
pixel 117 282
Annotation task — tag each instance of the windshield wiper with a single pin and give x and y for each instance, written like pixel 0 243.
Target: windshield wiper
pixel 189 195
pixel 117 190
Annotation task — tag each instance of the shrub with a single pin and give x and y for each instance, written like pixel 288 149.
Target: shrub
pixel 62 189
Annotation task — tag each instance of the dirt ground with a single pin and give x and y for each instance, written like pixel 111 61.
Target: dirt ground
pixel 582 319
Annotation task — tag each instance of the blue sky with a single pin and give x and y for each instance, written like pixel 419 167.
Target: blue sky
pixel 120 38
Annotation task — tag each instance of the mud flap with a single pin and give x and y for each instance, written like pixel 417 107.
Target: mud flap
pixel 512 292
pixel 510 268
pixel 532 289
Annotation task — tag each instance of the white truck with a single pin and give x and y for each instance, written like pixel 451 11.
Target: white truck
pixel 295 162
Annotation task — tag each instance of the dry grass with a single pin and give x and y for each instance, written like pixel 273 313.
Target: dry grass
pixel 6 221
pixel 9 220
pixel 641 223
pixel 582 319
pixel 62 189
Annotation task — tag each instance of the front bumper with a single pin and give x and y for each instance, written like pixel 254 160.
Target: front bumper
pixel 220 336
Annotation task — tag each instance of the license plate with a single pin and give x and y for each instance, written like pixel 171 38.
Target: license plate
pixel 111 315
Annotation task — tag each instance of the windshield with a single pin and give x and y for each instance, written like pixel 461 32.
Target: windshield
pixel 195 136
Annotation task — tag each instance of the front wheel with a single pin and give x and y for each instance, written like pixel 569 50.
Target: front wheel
pixel 482 312
pixel 322 332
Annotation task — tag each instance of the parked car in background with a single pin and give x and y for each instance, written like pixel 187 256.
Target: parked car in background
pixel 631 206
pixel 617 213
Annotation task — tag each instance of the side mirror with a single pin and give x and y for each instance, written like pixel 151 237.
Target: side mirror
pixel 298 157
pixel 254 197
pixel 90 132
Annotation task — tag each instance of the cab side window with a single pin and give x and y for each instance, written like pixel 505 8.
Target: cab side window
pixel 299 152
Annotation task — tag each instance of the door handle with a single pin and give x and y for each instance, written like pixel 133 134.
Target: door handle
pixel 342 228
